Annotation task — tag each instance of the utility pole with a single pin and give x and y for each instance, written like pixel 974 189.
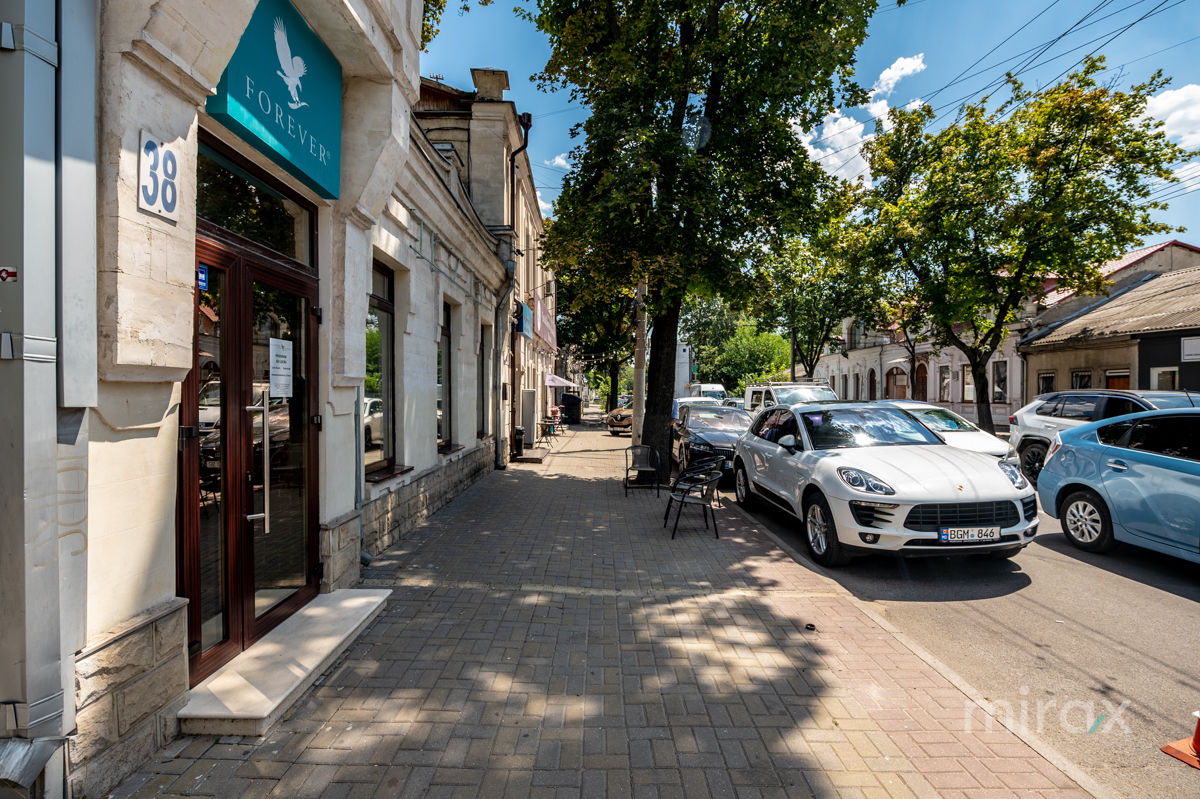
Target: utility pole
pixel 639 364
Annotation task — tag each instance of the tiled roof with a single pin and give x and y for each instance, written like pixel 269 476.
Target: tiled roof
pixel 1167 302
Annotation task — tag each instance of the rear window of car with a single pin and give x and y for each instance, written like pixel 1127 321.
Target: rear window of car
pixel 1077 407
pixel 1119 406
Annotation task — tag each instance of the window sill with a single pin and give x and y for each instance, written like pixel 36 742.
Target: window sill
pixel 379 475
pixel 449 449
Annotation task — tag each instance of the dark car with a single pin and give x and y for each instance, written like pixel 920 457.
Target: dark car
pixel 707 430
pixel 1133 478
pixel 1032 428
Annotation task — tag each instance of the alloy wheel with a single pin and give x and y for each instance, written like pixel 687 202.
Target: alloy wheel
pixel 817 529
pixel 1083 521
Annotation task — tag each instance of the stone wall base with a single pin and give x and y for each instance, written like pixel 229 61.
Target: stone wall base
pixel 129 686
pixel 387 517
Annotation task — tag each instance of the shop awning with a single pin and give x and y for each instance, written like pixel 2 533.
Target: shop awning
pixel 559 382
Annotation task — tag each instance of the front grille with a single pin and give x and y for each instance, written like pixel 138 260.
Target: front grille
pixel 937 542
pixel 933 517
pixel 1029 505
pixel 870 515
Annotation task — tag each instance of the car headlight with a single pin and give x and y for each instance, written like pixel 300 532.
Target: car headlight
pixel 1013 474
pixel 702 446
pixel 862 481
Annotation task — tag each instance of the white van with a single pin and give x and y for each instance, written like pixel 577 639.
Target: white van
pixel 714 390
pixel 768 394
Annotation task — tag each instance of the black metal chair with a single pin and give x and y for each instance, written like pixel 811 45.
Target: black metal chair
pixel 702 492
pixel 697 471
pixel 640 460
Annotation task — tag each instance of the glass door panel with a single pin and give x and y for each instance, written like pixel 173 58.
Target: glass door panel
pixel 212 428
pixel 278 463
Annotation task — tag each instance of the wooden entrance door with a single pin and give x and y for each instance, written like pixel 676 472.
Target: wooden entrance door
pixel 247 499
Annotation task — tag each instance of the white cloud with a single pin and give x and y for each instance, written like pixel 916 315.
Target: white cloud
pixel 837 144
pixel 559 162
pixel 545 207
pixel 1179 109
pixel 914 104
pixel 900 68
pixel 839 148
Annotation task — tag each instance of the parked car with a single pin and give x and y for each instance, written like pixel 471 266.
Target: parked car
pixel 955 430
pixel 768 394
pixel 1134 478
pixel 372 420
pixel 865 477
pixel 620 419
pixel 707 430
pixel 734 402
pixel 1032 428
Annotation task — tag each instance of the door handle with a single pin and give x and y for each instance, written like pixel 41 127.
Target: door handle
pixel 1119 466
pixel 265 516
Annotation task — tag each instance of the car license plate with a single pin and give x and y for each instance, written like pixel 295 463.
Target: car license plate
pixel 969 533
pixel 728 464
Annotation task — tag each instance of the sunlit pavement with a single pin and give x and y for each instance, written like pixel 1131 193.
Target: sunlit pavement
pixel 546 637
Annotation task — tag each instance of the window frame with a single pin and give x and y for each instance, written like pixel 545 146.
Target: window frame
pixel 1156 371
pixel 444 430
pixel 997 367
pixel 1053 382
pixel 387 356
pixel 1077 375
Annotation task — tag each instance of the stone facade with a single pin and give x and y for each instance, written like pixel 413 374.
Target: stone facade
pixel 399 508
pixel 128 687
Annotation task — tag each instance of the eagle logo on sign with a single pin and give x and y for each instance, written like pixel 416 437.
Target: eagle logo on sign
pixel 292 67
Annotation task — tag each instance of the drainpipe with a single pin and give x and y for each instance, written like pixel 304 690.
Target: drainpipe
pixel 526 122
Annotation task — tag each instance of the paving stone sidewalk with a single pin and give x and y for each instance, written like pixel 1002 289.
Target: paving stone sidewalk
pixel 547 638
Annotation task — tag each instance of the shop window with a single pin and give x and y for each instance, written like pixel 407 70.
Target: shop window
pixel 1045 382
pixel 379 451
pixel 230 197
pixel 1081 379
pixel 1000 381
pixel 445 382
pixel 943 384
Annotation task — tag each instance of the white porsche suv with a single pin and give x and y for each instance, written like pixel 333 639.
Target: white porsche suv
pixel 868 477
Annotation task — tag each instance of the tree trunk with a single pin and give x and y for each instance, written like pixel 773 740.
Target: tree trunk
pixel 660 383
pixel 792 339
pixel 983 404
pixel 614 379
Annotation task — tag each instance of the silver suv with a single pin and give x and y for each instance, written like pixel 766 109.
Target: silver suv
pixel 1032 428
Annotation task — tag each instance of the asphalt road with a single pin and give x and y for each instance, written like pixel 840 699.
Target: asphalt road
pixel 1097 655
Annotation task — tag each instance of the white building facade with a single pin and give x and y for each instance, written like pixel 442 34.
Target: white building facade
pixel 255 324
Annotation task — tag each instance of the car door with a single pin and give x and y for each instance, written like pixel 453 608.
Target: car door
pixel 760 445
pixel 780 463
pixel 1152 479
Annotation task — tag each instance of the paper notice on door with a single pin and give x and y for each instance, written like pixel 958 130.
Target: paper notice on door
pixel 281 368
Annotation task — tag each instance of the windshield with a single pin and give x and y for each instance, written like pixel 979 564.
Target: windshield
pixel 718 419
pixel 714 393
pixel 846 428
pixel 1171 400
pixel 941 420
pixel 795 396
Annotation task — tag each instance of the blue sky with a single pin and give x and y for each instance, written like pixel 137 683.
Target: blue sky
pixel 910 54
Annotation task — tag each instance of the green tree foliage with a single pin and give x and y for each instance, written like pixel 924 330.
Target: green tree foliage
pixel 1050 184
pixel 692 154
pixel 746 356
pixel 810 285
pixel 706 323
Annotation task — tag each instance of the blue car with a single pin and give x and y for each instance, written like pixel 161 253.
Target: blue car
pixel 1134 478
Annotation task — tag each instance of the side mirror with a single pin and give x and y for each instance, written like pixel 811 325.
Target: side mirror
pixel 789 443
pixel 768 403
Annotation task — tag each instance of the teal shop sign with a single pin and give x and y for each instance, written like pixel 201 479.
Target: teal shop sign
pixel 282 92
